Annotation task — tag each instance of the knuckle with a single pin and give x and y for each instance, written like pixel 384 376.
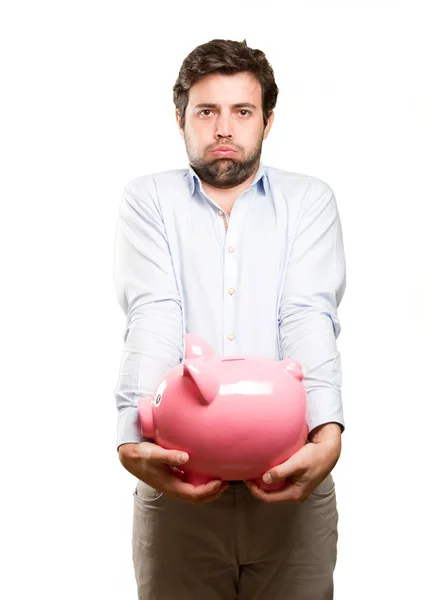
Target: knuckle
pixel 147 452
pixel 276 473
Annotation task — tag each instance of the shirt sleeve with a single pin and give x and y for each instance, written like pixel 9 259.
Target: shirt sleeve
pixel 313 289
pixel 148 295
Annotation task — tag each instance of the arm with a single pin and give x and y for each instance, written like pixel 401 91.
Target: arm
pixel 308 321
pixel 153 340
pixel 309 326
pixel 147 293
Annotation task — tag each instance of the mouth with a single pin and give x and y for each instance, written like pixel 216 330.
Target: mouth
pixel 223 152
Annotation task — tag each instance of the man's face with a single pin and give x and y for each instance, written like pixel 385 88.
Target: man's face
pixel 225 110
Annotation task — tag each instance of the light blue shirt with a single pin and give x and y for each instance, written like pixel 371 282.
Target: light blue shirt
pixel 270 285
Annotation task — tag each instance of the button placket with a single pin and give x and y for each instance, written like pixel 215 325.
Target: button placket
pixel 242 208
pixel 230 278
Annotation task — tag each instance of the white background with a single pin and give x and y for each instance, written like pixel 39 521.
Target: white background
pixel 87 106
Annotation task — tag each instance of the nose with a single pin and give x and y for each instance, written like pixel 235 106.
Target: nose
pixel 223 126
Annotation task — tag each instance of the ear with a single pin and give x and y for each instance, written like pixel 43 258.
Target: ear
pixel 269 124
pixel 293 368
pixel 177 117
pixel 196 347
pixel 202 374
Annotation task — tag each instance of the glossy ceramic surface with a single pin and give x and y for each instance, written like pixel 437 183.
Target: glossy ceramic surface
pixel 236 416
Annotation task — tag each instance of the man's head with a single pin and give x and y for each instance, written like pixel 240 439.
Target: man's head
pixel 225 95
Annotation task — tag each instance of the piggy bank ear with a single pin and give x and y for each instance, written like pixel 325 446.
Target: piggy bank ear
pixel 203 376
pixel 196 347
pixel 293 368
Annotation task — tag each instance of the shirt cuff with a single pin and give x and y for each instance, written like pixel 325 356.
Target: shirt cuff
pixel 324 406
pixel 129 426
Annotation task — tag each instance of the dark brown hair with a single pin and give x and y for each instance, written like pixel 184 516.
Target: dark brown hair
pixel 226 57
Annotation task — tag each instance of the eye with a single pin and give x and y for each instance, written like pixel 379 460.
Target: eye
pixel 158 399
pixel 208 110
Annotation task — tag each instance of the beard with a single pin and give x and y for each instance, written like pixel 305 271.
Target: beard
pixel 227 172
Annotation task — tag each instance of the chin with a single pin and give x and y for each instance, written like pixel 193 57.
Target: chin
pixel 224 158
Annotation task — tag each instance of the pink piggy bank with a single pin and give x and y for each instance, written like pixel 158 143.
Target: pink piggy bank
pixel 236 416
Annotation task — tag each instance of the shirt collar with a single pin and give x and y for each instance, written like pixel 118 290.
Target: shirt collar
pixel 260 178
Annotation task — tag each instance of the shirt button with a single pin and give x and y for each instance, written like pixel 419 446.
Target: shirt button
pixel 231 249
pixel 231 336
pixel 231 291
pixel 220 212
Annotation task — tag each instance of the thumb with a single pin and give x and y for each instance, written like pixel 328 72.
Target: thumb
pixel 294 465
pixel 176 457
pixel 158 455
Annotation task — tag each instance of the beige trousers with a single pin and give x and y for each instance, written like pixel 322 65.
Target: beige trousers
pixel 236 547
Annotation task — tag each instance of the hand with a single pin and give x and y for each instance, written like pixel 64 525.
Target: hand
pixel 305 469
pixel 150 462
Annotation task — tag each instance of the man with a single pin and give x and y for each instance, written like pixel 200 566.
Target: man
pixel 251 258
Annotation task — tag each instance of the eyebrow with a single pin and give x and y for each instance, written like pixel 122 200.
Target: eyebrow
pixel 237 105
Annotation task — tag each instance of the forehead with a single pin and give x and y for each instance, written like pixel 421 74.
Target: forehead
pixel 226 89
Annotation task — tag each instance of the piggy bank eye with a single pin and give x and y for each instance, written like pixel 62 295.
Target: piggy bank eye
pixel 158 399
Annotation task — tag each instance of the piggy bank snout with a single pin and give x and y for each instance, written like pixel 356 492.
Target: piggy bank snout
pixel 145 413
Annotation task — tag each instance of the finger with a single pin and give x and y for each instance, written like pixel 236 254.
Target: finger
pixel 194 492
pixel 212 497
pixel 158 455
pixel 296 465
pixel 285 495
